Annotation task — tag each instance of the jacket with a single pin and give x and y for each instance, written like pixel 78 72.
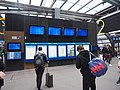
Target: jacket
pixel 82 61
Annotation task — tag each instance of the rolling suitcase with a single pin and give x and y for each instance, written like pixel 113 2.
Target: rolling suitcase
pixel 49 79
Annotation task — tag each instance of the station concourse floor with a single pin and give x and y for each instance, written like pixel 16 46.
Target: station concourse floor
pixel 65 77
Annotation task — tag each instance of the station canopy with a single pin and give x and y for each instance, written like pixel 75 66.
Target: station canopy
pixel 71 9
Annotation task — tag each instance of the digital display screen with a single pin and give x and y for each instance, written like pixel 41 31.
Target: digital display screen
pixel 37 30
pixel 54 31
pixel 13 55
pixel 69 31
pixel 82 33
pixel 14 46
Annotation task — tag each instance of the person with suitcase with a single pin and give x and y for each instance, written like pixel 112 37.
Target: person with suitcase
pixel 40 60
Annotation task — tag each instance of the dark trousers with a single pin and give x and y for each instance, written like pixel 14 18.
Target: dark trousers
pixel 39 74
pixel 89 82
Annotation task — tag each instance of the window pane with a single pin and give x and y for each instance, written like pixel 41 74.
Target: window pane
pixel 24 1
pixel 67 5
pixel 58 4
pixel 72 1
pixel 102 6
pixel 83 10
pixel 92 12
pixel 83 2
pixel 76 7
pixel 94 3
pixel 36 2
pixel 47 3
pixel 11 0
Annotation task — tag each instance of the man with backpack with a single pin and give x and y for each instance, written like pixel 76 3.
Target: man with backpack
pixel 40 60
pixel 82 61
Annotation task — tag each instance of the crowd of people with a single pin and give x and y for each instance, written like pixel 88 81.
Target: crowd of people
pixel 89 80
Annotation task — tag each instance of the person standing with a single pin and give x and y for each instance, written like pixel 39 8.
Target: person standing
pixel 39 68
pixel 108 57
pixel 104 52
pixel 2 68
pixel 82 61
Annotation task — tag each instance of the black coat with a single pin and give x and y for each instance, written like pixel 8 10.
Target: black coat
pixel 82 61
pixel 2 68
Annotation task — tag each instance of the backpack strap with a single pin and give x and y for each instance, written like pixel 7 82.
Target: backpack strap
pixel 90 53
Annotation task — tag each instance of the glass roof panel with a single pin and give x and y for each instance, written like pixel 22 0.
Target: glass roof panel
pixel 47 3
pixel 36 2
pixel 1 7
pixel 67 5
pixel 83 2
pixel 83 10
pixel 94 3
pixel 72 1
pixel 58 3
pixel 102 6
pixel 11 0
pixel 24 1
pixel 75 8
pixel 92 12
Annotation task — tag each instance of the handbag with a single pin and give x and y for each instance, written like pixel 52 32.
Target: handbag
pixel 2 75
pixel 119 64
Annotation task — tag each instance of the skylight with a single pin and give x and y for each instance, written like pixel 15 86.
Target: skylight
pixel 11 0
pixel 24 1
pixel 36 2
pixel 67 5
pixel 58 4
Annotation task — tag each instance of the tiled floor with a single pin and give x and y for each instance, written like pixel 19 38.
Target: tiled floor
pixel 65 78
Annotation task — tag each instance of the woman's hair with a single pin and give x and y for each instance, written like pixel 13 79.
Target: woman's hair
pixel 80 47
pixel 40 48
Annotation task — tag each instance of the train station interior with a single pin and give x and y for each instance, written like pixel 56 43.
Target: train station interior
pixel 59 27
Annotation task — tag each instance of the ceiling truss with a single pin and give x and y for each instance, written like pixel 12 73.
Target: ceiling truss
pixel 37 10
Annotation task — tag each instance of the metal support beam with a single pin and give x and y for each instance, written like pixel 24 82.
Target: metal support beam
pixel 41 3
pixel 31 9
pixel 84 5
pixel 63 3
pixel 73 5
pixel 29 1
pixel 114 2
pixel 106 10
pixel 53 3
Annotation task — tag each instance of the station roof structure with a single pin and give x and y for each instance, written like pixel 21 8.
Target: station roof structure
pixel 79 10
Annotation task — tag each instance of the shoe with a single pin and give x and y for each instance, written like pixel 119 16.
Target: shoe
pixel 110 64
pixel 118 83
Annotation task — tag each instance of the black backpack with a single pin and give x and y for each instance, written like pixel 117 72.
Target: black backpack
pixel 39 61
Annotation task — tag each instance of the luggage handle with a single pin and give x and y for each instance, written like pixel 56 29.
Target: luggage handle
pixel 46 69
